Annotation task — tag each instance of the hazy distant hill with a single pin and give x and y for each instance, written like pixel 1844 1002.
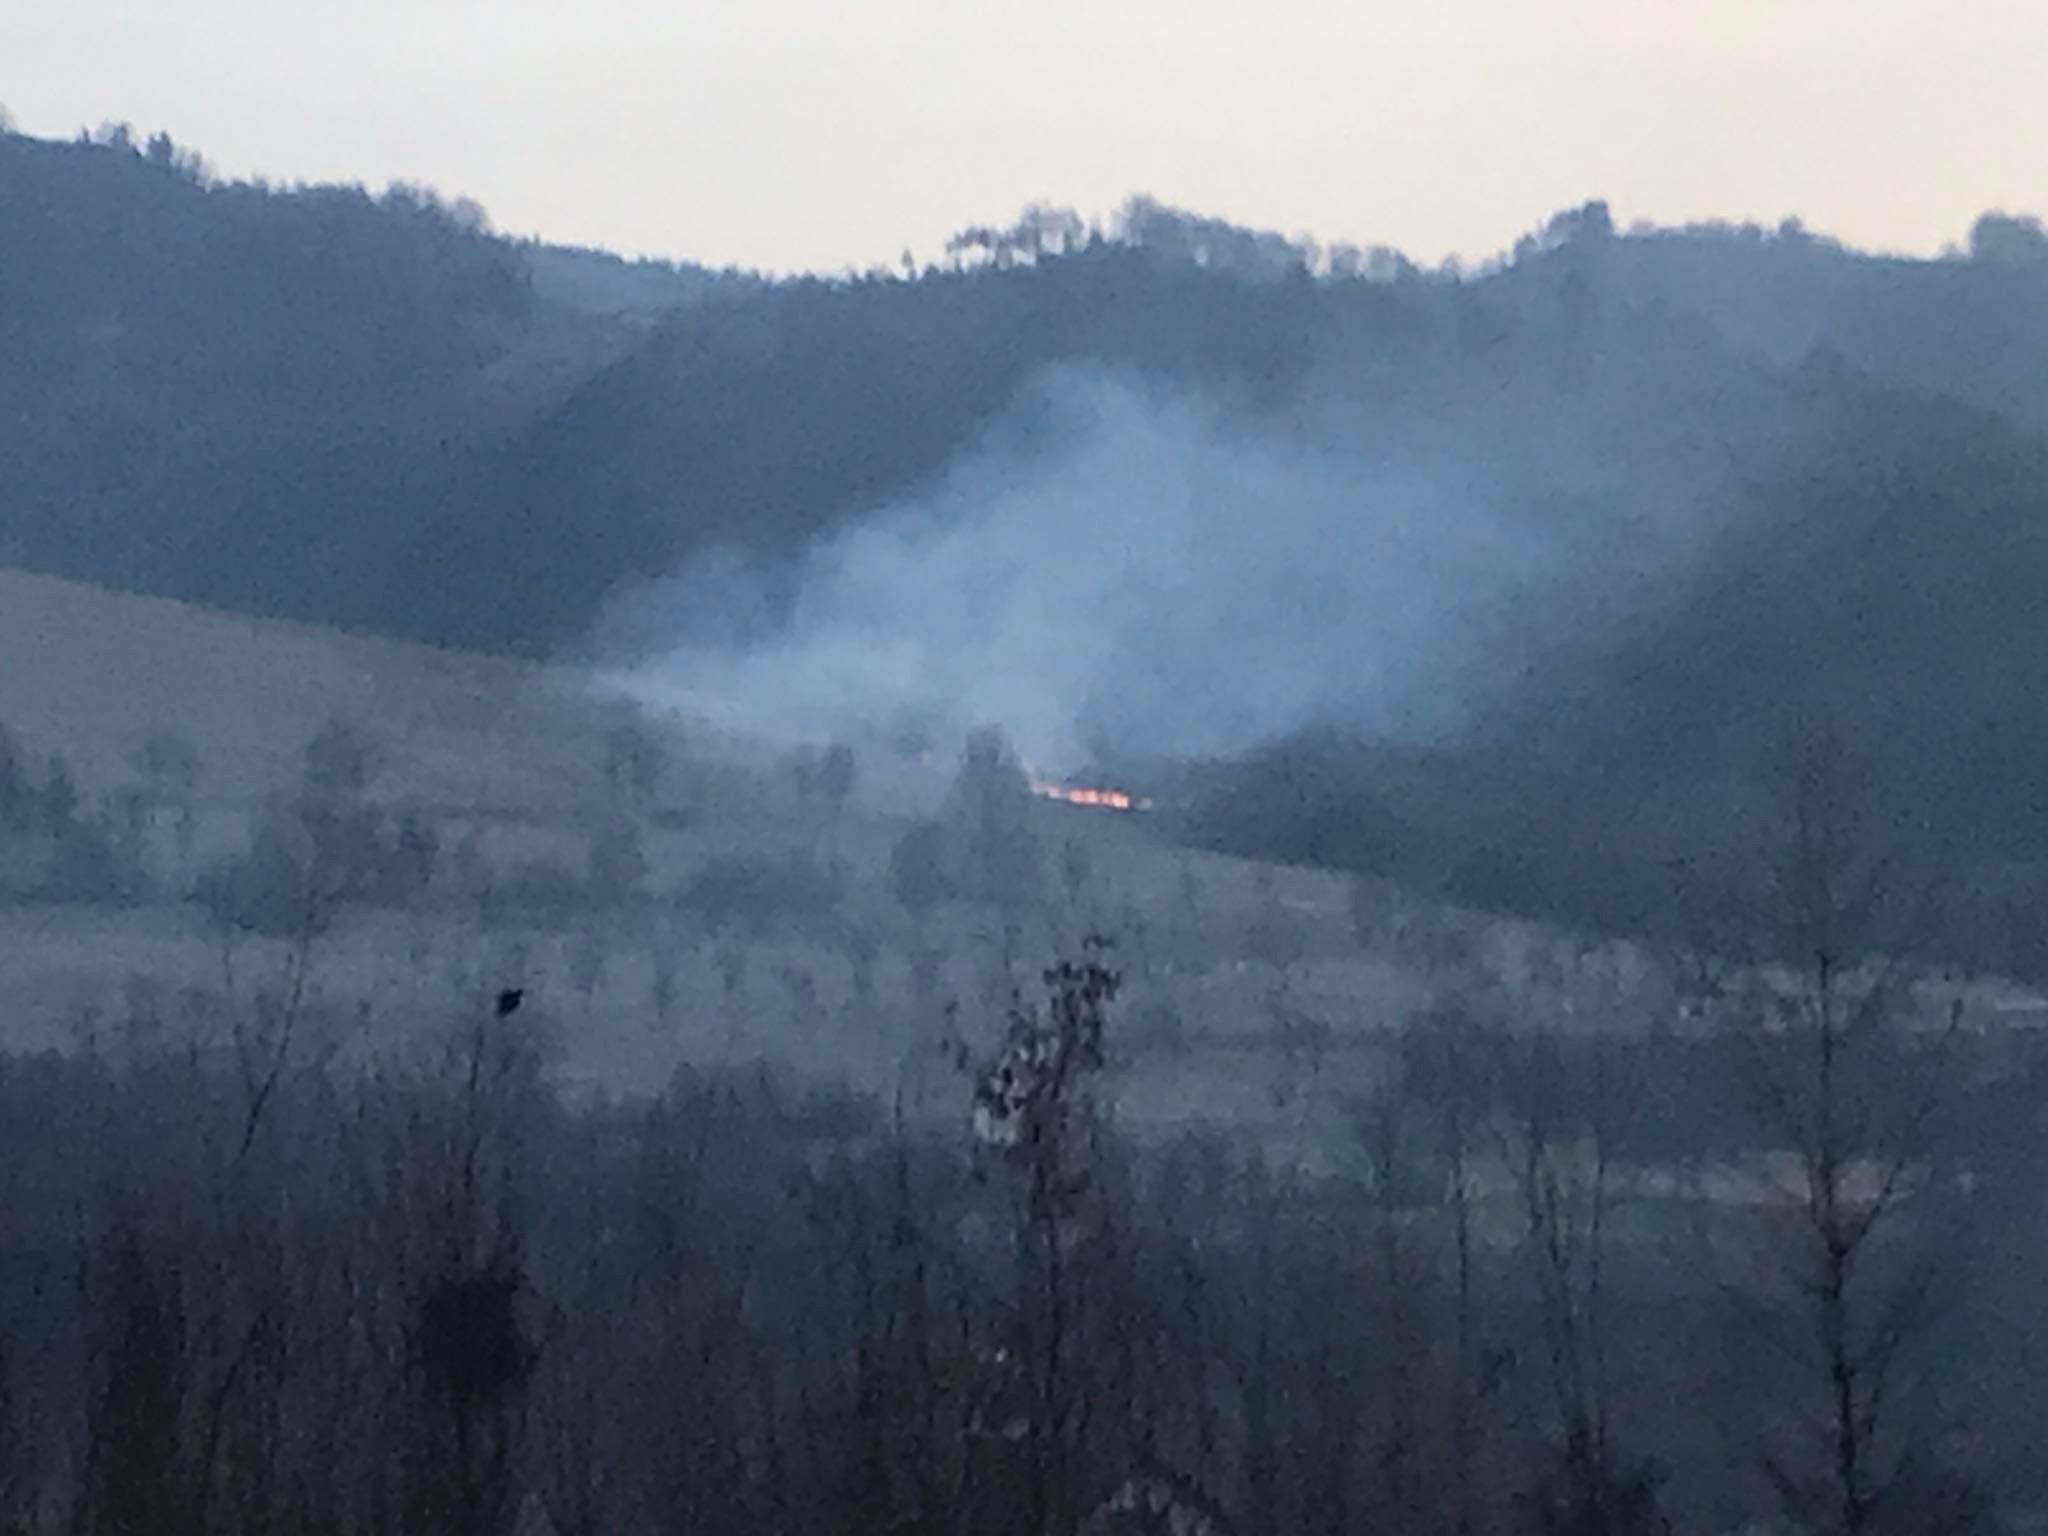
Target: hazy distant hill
pixel 1794 480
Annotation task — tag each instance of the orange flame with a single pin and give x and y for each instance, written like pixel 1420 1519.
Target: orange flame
pixel 1095 799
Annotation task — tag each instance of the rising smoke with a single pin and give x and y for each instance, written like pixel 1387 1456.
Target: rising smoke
pixel 1112 568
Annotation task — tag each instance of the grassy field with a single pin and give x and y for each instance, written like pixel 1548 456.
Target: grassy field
pixel 514 752
pixel 91 673
pixel 512 755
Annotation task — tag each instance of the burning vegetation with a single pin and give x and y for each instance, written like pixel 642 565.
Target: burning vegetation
pixel 1094 797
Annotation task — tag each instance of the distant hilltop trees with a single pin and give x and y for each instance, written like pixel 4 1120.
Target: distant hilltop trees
pixel 389 388
pixel 213 390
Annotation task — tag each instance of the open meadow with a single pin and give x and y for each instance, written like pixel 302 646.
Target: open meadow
pixel 506 764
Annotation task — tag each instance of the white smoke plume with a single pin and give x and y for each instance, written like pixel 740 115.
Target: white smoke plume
pixel 1108 567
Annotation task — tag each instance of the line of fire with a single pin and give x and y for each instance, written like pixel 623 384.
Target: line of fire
pixel 1090 796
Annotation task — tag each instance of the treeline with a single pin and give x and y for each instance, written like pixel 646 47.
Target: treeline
pixel 58 843
pixel 627 876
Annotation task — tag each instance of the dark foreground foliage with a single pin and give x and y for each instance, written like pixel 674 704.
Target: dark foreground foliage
pixel 249 1283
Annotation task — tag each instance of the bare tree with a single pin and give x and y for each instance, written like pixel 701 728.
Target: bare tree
pixel 1034 1113
pixel 664 956
pixel 1275 938
pixel 169 765
pixel 1396 1434
pixel 634 762
pixel 1564 1097
pixel 828 775
pixel 1845 1062
pixel 996 852
pixel 838 771
pixel 918 876
pixel 1445 1072
pixel 618 861
pixel 339 766
pixel 17 787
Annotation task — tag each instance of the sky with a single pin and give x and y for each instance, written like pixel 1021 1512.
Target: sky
pixel 827 134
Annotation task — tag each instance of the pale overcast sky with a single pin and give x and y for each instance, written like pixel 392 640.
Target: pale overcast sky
pixel 826 133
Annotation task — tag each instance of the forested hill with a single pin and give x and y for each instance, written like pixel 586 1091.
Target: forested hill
pixel 258 397
pixel 1768 477
pixel 281 399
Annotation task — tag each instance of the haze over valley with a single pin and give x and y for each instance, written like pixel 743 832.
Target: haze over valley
pixel 1133 871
